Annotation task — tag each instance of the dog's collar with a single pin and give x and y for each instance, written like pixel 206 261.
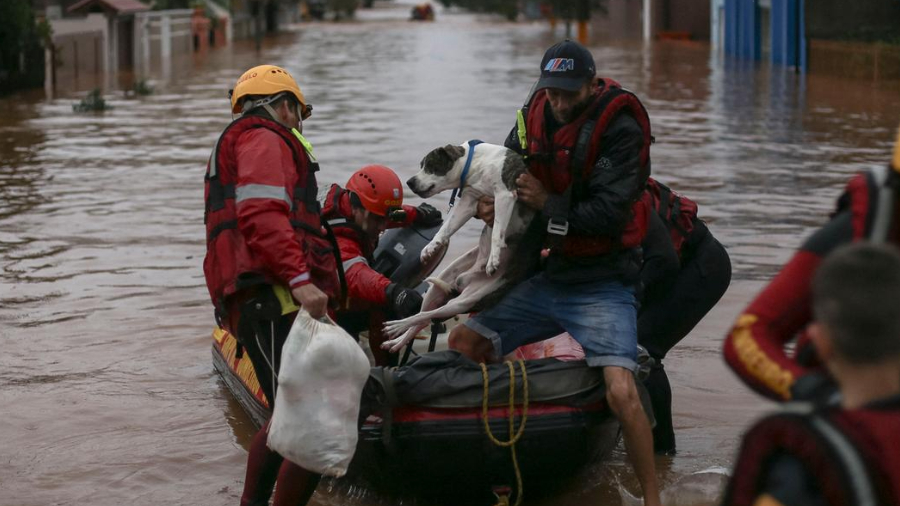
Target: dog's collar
pixel 465 172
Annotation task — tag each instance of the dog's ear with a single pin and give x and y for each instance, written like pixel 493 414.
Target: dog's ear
pixel 440 160
pixel 453 152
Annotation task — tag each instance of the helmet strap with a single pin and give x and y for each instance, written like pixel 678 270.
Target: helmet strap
pixel 365 224
pixel 269 109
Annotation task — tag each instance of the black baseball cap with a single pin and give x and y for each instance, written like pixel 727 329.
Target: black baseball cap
pixel 566 65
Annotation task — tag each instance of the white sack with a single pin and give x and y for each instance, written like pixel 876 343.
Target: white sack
pixel 320 382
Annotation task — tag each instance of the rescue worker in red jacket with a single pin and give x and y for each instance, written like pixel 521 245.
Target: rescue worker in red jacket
pixel 266 248
pixel 357 215
pixel 869 210
pixel 845 453
pixel 586 142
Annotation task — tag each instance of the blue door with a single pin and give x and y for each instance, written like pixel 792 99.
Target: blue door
pixel 788 38
pixel 742 29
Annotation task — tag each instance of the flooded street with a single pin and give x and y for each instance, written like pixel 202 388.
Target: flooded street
pixel 107 388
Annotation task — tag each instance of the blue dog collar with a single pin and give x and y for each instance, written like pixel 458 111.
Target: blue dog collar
pixel 465 172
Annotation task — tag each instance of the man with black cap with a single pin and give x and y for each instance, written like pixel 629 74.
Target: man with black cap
pixel 586 142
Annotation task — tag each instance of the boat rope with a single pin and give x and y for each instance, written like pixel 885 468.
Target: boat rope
pixel 514 434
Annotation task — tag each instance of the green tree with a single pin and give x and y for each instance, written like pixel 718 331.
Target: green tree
pixel 21 46
pixel 162 5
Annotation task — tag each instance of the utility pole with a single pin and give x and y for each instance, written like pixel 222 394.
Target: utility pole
pixel 256 9
pixel 647 20
pixel 583 15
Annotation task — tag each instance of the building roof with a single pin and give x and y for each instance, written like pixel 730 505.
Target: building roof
pixel 117 6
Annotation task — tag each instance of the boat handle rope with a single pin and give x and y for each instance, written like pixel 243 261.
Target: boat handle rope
pixel 272 351
pixel 514 434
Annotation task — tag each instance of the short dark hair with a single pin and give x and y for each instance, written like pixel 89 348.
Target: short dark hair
pixel 856 296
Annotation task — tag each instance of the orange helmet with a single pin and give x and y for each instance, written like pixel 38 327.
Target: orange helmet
pixel 267 80
pixel 378 188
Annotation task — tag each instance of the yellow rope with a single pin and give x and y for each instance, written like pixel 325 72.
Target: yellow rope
pixel 514 435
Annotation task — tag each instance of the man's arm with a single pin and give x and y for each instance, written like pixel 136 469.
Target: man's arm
pixel 614 185
pixel 755 346
pixel 363 282
pixel 424 215
pixel 263 205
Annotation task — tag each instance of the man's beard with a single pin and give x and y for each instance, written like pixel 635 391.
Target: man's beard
pixel 574 112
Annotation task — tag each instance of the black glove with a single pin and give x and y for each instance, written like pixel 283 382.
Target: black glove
pixel 817 388
pixel 403 302
pixel 427 216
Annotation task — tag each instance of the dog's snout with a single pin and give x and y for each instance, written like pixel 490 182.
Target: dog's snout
pixel 411 183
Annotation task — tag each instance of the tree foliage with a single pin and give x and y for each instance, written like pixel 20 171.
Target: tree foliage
pixel 21 46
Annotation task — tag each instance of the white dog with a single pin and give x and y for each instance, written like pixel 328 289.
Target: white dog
pixel 477 171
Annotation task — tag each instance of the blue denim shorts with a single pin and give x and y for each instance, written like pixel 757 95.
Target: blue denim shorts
pixel 601 316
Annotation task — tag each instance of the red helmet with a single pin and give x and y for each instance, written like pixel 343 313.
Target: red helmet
pixel 378 188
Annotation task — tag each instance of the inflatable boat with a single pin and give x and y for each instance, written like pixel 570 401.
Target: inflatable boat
pixel 438 426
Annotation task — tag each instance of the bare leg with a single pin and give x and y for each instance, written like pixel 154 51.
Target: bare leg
pixel 622 396
pixel 471 344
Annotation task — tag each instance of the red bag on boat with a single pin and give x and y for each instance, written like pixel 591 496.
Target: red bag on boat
pixel 561 347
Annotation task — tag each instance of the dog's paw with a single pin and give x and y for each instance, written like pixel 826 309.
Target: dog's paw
pixel 430 250
pixel 395 328
pixel 395 345
pixel 492 265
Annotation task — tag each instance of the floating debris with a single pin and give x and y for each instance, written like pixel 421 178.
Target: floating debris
pixel 141 88
pixel 92 102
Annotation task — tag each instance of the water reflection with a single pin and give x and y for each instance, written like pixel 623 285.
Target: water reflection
pixel 103 310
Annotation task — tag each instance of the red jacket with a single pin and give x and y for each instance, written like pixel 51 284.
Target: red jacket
pixel 845 455
pixel 262 218
pixel 550 159
pixel 364 284
pixel 755 347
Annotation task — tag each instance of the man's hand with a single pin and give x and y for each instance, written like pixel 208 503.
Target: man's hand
pixel 530 191
pixel 313 300
pixel 403 302
pixel 485 210
pixel 427 216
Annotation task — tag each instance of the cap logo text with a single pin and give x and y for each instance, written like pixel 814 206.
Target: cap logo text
pixel 560 65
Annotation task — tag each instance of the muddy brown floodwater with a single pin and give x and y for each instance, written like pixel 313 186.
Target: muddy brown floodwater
pixel 107 388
